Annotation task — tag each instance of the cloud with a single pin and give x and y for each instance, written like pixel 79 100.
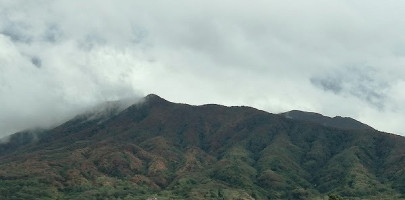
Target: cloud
pixel 361 82
pixel 57 83
pixel 57 57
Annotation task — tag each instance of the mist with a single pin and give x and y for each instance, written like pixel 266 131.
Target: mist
pixel 60 58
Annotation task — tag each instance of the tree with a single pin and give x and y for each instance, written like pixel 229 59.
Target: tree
pixel 335 197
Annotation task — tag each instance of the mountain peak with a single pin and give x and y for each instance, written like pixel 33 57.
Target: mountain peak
pixel 155 99
pixel 153 96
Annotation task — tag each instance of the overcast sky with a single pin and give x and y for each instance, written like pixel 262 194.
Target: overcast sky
pixel 335 57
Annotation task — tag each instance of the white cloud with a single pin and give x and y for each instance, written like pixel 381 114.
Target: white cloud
pixel 57 57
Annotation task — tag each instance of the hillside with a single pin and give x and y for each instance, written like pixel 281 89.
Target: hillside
pixel 335 122
pixel 161 149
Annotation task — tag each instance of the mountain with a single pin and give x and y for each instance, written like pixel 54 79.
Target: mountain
pixel 164 150
pixel 335 122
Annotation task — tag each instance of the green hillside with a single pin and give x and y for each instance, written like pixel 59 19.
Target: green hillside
pixel 175 151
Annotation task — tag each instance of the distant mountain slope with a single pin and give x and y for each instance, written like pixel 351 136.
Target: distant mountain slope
pixel 156 148
pixel 335 122
pixel 97 114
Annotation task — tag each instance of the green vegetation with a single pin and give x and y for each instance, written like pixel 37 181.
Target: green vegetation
pixel 175 151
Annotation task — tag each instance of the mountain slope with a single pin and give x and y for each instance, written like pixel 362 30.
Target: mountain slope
pixel 178 151
pixel 335 122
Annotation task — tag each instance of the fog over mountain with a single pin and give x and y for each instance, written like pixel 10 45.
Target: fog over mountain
pixel 338 57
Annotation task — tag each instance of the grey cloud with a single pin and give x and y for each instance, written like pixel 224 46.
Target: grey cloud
pixel 36 62
pixel 360 82
pixel 260 54
pixel 139 34
pixel 17 32
pixel 53 33
pixel 90 41
pixel 328 84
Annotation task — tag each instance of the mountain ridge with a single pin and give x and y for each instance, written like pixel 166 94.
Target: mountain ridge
pixel 170 150
pixel 336 122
